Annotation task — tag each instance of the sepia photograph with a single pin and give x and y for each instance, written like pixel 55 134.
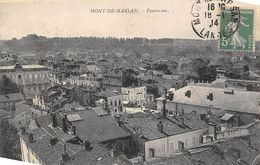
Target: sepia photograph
pixel 133 82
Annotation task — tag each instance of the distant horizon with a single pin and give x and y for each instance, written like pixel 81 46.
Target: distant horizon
pixel 48 37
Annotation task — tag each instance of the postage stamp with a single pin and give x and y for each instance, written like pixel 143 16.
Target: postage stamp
pixel 237 30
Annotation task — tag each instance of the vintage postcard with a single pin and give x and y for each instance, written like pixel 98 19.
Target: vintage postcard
pixel 133 82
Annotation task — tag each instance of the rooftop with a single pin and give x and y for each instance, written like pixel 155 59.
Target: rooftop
pixel 232 100
pixel 222 153
pixel 99 128
pixel 11 97
pixel 90 125
pixel 51 154
pixel 146 124
pixel 108 93
pixel 34 66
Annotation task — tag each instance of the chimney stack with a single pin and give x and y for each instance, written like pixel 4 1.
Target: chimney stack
pixel 171 96
pixel 64 156
pixel 73 130
pixel 87 145
pixel 22 130
pixel 164 108
pixel 64 123
pixel 54 120
pixel 53 141
pixel 160 126
pixel 30 136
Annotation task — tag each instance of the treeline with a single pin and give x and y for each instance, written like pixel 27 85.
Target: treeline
pixel 34 43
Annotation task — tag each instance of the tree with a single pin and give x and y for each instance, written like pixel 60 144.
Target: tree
pixel 207 73
pixel 7 86
pixel 9 140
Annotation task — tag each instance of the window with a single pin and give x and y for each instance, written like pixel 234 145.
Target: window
pixel 151 152
pixel 163 148
pixel 19 76
pixel 111 103
pixel 115 103
pixel 172 146
pixel 119 102
pixel 186 143
pixel 193 140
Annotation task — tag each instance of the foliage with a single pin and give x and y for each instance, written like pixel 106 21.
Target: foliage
pixel 9 140
pixel 201 70
pixel 162 67
pixel 7 86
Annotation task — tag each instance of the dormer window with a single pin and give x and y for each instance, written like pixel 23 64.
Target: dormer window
pixel 210 97
pixel 188 93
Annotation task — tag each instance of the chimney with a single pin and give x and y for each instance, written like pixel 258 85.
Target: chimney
pixel 164 108
pixel 171 96
pixel 182 120
pixel 22 130
pixel 53 141
pixel 30 136
pixel 64 156
pixel 160 126
pixel 64 123
pixel 73 130
pixel 87 145
pixel 54 120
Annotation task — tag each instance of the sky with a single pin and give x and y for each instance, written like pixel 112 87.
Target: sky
pixel 72 18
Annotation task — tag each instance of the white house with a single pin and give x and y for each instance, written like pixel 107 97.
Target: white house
pixel 134 94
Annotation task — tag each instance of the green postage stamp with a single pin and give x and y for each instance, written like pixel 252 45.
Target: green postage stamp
pixel 237 30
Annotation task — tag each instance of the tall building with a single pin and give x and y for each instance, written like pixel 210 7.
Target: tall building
pixel 31 79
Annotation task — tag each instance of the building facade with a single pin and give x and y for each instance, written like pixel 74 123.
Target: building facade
pixel 136 95
pixel 31 79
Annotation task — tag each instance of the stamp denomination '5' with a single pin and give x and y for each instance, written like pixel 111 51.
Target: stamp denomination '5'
pixel 237 30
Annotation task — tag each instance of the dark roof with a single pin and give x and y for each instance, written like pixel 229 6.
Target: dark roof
pixel 108 93
pixel 91 127
pixel 97 128
pixel 51 154
pixel 146 125
pixel 99 155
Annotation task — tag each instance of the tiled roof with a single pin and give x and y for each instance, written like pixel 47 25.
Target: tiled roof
pixel 99 155
pixel 91 127
pixel 49 154
pixel 240 101
pixel 11 97
pixel 146 125
pixel 22 107
pixel 97 128
pixel 108 93
pixel 222 153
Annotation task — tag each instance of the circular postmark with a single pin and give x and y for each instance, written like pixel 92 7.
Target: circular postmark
pixel 205 17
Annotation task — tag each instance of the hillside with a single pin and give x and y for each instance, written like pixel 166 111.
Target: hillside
pixel 159 47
